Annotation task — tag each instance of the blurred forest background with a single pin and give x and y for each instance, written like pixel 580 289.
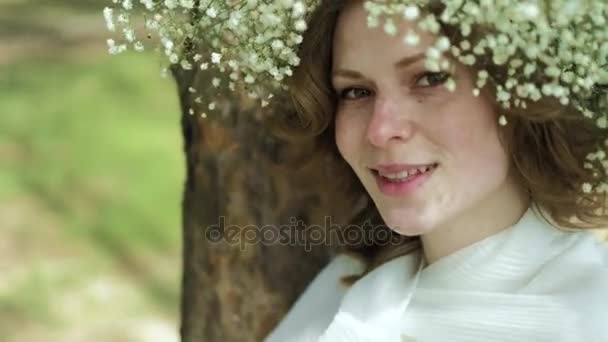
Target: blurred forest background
pixel 91 172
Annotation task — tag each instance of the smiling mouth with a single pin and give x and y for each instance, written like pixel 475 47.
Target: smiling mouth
pixel 404 176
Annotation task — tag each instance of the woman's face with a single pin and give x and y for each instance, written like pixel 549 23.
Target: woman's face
pixel 399 113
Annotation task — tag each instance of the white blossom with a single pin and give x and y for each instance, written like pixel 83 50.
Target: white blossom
pixel 411 38
pixel 211 12
pixel 556 48
pixel 171 4
pixel 187 4
pixel 148 3
pixel 301 25
pixel 502 120
pixel 216 58
pixel 127 4
pixel 411 12
pixel 108 15
pixel 586 187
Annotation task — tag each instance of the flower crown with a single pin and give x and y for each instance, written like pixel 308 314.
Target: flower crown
pixel 253 45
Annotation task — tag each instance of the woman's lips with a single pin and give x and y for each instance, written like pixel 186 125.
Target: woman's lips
pixel 402 188
pixel 395 168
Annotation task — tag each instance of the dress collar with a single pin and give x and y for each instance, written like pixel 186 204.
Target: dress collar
pixel 499 262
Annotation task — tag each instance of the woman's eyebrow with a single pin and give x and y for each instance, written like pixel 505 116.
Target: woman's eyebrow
pixel 344 73
pixel 408 60
pixel 402 63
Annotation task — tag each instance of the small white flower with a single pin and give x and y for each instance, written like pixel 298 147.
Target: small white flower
pixel 187 4
pixel 587 188
pixel 411 12
pixel 443 44
pixel 528 10
pixel 167 43
pixel 138 46
pixel 127 4
pixel 433 53
pixel 108 15
pixel 186 65
pixel 171 4
pixel 411 38
pixel 299 9
pixel 300 25
pixel 390 28
pixel 451 85
pixel 148 3
pixel 129 34
pixel 211 12
pixel 216 58
pixel 502 120
pixel 123 18
pixel 215 82
pixel 114 49
pixel 277 44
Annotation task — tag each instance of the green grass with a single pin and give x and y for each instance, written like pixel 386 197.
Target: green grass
pixel 97 139
pixel 97 143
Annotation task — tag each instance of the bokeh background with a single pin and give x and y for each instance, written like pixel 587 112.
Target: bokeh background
pixel 91 172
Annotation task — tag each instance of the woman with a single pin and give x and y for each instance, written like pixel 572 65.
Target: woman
pixel 483 194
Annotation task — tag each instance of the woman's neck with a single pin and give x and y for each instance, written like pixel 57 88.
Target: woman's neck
pixel 501 210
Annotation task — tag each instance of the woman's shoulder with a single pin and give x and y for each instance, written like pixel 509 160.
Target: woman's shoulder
pixel 316 306
pixel 583 269
pixel 591 298
pixel 588 248
pixel 577 256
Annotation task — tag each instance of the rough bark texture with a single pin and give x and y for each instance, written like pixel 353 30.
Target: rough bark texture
pixel 239 290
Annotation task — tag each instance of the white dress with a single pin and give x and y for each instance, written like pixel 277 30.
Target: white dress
pixel 530 282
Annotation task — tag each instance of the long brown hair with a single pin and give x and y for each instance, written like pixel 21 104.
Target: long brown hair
pixel 547 142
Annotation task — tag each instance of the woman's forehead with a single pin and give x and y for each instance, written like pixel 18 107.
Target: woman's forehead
pixel 354 41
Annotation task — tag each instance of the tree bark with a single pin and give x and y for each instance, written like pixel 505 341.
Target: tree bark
pixel 237 288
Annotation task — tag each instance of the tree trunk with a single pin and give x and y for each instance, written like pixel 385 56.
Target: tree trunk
pixel 238 287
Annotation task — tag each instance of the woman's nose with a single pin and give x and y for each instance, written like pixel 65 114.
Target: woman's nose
pixel 388 122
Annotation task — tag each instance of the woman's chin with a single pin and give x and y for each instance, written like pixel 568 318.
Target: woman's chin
pixel 408 227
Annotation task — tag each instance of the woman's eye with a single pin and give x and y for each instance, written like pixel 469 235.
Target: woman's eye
pixel 432 79
pixel 426 80
pixel 353 93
